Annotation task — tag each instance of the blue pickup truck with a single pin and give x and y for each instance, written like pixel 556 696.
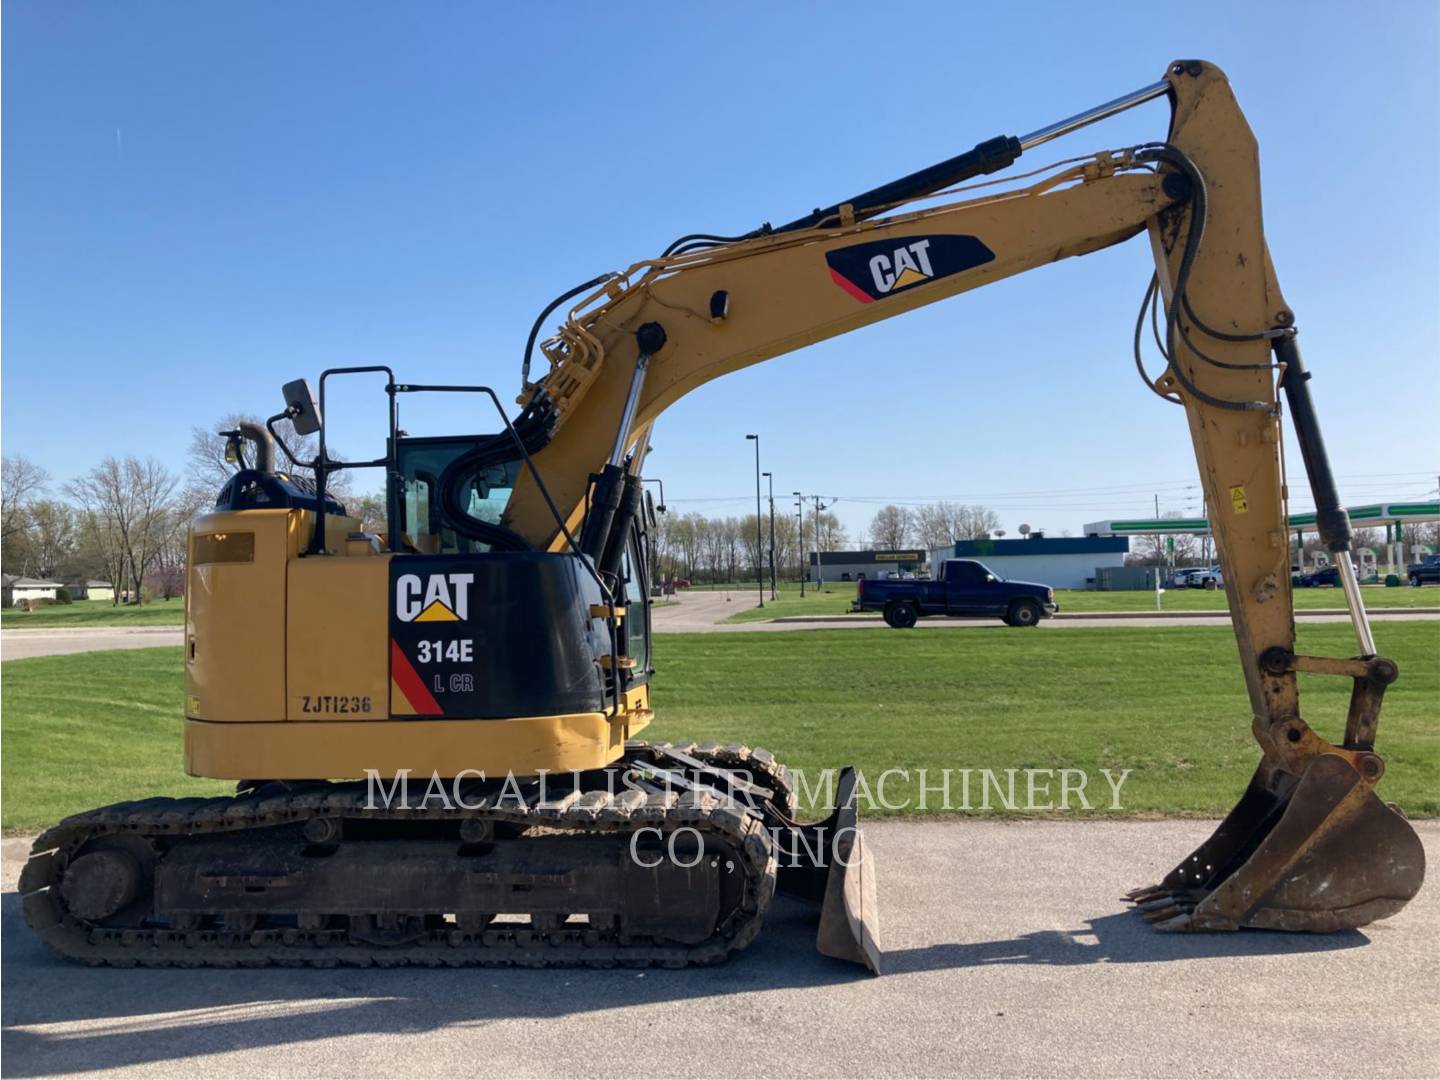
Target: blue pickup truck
pixel 966 589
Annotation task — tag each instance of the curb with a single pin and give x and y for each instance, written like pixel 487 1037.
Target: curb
pixel 1380 613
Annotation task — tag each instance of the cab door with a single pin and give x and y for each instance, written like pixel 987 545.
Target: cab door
pixel 966 591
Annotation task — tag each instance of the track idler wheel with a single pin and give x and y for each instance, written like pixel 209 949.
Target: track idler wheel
pixel 1321 854
pixel 100 883
pixel 108 882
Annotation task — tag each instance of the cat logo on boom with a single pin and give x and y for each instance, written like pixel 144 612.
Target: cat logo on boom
pixel 436 598
pixel 882 268
pixel 910 265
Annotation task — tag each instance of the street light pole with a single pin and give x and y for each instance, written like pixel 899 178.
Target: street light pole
pixel 819 558
pixel 800 539
pixel 770 478
pixel 759 531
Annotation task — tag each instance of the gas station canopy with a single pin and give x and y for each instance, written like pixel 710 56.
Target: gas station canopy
pixel 1396 513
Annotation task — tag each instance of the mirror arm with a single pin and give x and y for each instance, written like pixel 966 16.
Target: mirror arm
pixel 270 427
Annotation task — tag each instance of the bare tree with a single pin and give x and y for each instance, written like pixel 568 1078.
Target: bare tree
pixel 935 525
pixel 99 550
pixel 128 504
pixel 753 535
pixel 891 527
pixel 975 522
pixel 51 537
pixel 787 545
pixel 730 533
pixel 21 480
pixel 940 524
pixel 1373 539
pixel 1160 549
pixel 371 511
pixel 832 534
pixel 1423 534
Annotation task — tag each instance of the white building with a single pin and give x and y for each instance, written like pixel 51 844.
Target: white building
pixel 17 590
pixel 1064 562
pixel 99 590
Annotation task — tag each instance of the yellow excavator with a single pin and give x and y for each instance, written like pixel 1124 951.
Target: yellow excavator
pixel 432 725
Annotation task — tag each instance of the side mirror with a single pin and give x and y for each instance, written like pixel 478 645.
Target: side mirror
pixel 990 579
pixel 301 408
pixel 233 448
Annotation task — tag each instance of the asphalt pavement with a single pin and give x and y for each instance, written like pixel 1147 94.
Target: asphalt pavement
pixel 21 644
pixel 703 610
pixel 1007 954
pixel 699 612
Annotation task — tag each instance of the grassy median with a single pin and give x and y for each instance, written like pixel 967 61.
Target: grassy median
pixel 835 599
pixel 1167 703
pixel 96 613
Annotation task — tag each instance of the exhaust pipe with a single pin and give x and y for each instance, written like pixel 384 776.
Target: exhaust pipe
pixel 259 437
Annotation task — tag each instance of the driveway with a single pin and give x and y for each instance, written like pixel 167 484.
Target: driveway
pixel 1007 953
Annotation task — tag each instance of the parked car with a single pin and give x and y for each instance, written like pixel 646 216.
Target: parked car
pixel 966 589
pixel 1425 572
pixel 1208 578
pixel 1325 575
pixel 1179 579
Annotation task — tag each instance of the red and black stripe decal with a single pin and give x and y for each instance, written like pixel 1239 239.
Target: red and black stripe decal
pixel 421 701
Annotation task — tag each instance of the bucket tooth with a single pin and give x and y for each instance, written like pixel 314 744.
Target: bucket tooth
pixel 1180 924
pixel 1157 904
pixel 1147 892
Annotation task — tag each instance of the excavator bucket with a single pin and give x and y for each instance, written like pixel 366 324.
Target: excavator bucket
pixel 1321 854
pixel 827 863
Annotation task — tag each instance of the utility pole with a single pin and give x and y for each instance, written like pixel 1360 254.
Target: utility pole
pixel 759 529
pixel 800 539
pixel 770 478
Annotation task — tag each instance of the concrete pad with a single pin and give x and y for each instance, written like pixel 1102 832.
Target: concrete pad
pixel 1008 953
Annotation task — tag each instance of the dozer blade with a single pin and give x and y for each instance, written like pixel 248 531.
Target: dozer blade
pixel 1323 854
pixel 828 863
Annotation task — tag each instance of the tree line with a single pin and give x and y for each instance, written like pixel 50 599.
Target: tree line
pixel 123 521
pixel 698 548
pixel 727 549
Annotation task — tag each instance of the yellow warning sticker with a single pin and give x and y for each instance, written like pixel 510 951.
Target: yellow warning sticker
pixel 1238 502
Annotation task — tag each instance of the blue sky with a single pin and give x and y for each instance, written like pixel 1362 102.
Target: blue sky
pixel 202 201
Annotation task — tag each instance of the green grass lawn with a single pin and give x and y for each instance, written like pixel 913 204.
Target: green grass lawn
pixel 836 597
pixel 1167 703
pixel 97 613
pixel 89 729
